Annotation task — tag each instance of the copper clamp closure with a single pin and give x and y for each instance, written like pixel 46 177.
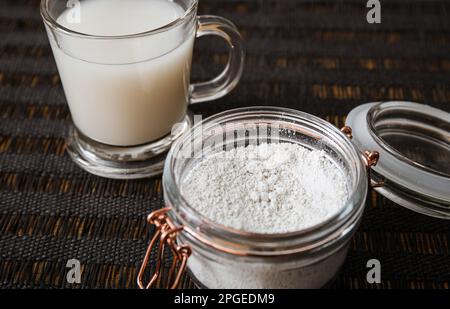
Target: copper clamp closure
pixel 166 232
pixel 347 131
pixel 370 158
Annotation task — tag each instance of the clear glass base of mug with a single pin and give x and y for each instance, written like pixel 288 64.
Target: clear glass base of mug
pixel 122 162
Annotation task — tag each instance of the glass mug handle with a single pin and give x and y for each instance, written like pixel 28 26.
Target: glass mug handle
pixel 230 76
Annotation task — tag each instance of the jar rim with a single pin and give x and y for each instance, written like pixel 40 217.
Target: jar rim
pixel 432 116
pixel 185 213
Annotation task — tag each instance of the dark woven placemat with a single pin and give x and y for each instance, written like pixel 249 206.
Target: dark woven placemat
pixel 319 56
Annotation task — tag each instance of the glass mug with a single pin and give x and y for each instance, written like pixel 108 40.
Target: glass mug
pixel 128 94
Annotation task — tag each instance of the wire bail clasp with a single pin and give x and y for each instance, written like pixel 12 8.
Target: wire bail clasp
pixel 370 159
pixel 166 232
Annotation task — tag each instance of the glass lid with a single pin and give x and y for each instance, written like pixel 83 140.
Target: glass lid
pixel 414 144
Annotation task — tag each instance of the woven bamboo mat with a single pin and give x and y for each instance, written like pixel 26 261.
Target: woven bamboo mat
pixel 318 56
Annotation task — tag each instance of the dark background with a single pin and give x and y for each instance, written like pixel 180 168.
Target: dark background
pixel 318 56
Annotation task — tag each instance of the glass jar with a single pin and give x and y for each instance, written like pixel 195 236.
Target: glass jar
pixel 221 257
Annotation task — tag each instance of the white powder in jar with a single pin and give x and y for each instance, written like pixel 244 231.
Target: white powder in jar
pixel 269 188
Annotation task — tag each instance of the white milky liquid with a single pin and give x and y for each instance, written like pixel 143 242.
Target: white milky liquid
pixel 125 91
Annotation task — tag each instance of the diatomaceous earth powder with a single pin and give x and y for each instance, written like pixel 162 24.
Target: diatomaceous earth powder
pixel 270 188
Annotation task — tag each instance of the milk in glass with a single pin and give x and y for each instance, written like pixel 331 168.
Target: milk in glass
pixel 129 90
